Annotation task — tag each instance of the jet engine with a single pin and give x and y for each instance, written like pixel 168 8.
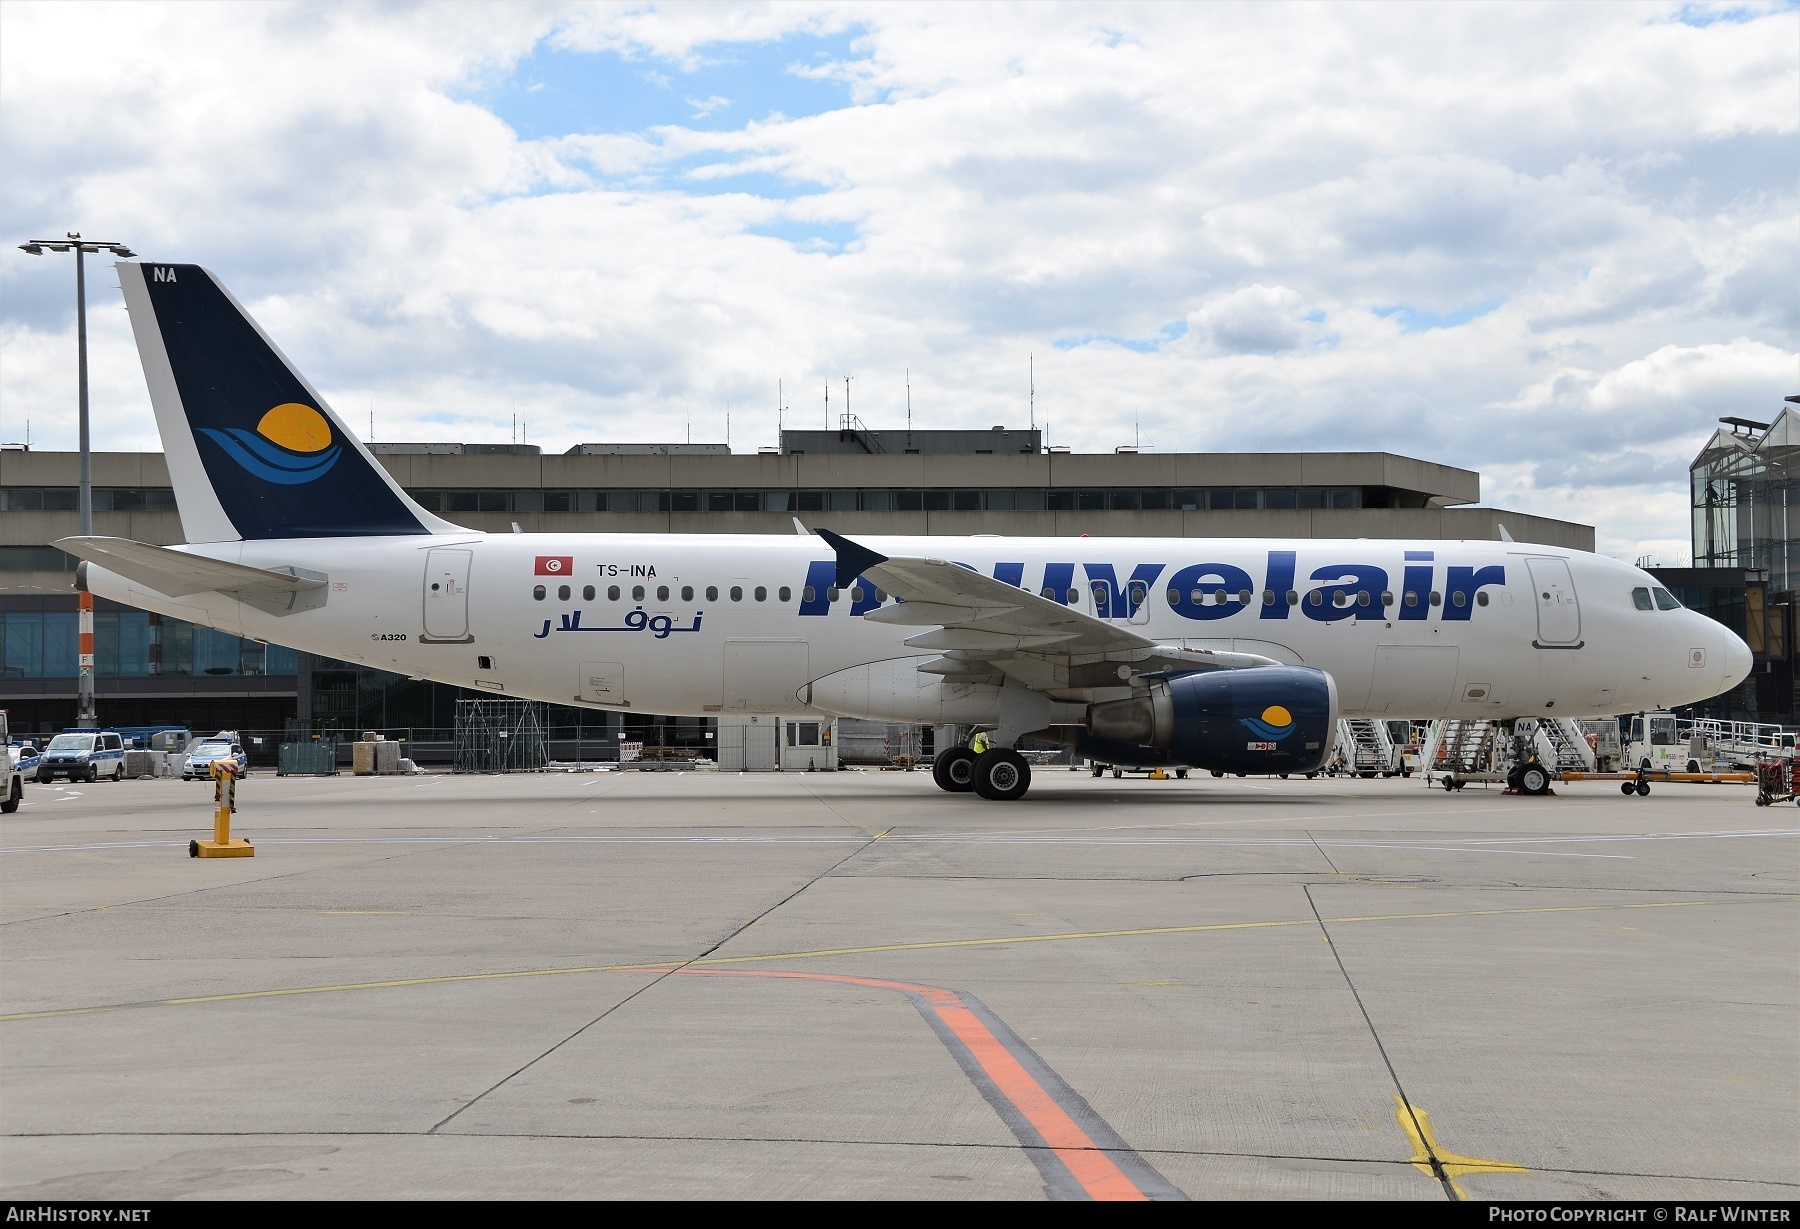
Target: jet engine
pixel 1264 719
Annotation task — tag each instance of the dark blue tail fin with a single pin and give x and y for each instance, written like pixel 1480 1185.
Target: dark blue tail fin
pixel 253 450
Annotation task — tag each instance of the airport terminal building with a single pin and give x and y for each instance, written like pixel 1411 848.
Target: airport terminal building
pixel 151 669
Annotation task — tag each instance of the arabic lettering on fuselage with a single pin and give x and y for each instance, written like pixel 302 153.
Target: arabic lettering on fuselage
pixel 1206 592
pixel 662 626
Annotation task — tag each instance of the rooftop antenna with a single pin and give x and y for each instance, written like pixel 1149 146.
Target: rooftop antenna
pixel 909 407
pixel 371 422
pixel 828 405
pixel 780 408
pixel 847 401
pixel 1135 442
pixel 1031 381
pixel 727 430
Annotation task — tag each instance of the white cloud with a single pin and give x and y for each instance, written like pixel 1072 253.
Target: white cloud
pixel 1548 244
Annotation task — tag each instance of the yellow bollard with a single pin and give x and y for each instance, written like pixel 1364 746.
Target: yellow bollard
pixel 224 773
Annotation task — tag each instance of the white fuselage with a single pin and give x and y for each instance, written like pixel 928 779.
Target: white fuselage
pixel 650 623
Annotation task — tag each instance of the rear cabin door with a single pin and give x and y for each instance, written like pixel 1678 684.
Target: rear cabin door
pixel 1559 616
pixel 447 595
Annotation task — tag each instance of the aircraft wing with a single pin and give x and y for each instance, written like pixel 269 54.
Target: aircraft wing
pixel 177 573
pixel 984 626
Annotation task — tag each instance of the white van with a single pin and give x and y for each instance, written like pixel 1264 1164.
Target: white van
pixel 83 755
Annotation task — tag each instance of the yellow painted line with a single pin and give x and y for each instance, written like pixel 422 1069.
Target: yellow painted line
pixel 1417 1125
pixel 931 945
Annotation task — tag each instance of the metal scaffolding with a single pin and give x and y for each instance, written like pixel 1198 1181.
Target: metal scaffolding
pixel 500 736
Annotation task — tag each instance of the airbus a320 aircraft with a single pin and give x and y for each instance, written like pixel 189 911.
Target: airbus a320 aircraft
pixel 1236 655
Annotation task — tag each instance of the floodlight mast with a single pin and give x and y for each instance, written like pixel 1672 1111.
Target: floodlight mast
pixel 73 241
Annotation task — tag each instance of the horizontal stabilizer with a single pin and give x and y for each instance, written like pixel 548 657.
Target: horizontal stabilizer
pixel 177 573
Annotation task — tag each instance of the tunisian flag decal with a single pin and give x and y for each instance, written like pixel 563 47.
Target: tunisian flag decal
pixel 555 565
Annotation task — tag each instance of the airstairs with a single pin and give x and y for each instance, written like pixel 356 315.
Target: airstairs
pixel 1467 746
pixel 1564 744
pixel 1368 748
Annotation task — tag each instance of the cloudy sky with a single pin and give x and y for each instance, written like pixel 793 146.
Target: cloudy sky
pixel 1549 243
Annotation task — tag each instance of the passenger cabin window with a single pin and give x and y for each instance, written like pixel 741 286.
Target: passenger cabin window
pixel 762 593
pixel 1640 597
pixel 712 593
pixel 786 594
pixel 1666 600
pixel 612 593
pixel 587 593
pixel 637 593
pixel 537 592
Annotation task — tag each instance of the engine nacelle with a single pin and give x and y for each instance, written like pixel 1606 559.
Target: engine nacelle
pixel 1266 719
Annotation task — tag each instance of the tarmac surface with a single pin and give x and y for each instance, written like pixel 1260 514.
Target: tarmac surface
pixel 852 985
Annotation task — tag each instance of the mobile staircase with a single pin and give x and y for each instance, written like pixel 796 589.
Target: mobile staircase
pixel 1563 743
pixel 1458 747
pixel 1368 748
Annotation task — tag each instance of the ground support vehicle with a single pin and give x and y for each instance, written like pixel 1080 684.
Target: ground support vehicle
pixel 1777 780
pixel 1639 782
pixel 14 780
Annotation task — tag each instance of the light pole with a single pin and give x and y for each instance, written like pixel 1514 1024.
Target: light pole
pixel 82 247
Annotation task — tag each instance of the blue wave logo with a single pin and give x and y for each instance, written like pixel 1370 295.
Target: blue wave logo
pixel 292 445
pixel 1275 724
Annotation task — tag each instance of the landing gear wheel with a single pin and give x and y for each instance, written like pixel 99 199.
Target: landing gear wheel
pixel 14 795
pixel 1117 773
pixel 1217 773
pixel 1099 770
pixel 1181 774
pixel 1534 779
pixel 1643 789
pixel 1628 788
pixel 954 770
pixel 1002 775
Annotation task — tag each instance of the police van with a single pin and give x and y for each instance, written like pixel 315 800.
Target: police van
pixel 83 755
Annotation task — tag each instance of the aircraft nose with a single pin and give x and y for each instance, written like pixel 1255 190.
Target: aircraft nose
pixel 1738 661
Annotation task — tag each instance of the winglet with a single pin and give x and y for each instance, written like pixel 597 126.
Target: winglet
pixel 852 560
pixel 1504 536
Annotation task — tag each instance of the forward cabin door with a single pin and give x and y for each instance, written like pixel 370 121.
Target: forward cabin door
pixel 1559 615
pixel 447 595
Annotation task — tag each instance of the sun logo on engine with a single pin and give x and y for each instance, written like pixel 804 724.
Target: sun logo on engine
pixel 1275 723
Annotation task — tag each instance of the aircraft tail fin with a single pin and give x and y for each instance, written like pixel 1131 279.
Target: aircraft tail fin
pixel 253 450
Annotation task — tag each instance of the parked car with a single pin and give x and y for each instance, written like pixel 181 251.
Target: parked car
pixel 83 755
pixel 203 753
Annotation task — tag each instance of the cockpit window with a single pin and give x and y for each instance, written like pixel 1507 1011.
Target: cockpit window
pixel 1666 600
pixel 1640 598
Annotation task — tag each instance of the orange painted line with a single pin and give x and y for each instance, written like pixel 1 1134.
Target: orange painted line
pixel 1090 1166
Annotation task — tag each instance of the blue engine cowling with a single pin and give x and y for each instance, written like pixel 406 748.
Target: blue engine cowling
pixel 1266 719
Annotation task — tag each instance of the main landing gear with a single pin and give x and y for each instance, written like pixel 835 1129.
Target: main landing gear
pixel 999 773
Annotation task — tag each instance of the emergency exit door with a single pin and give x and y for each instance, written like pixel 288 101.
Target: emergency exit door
pixel 447 595
pixel 1558 613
